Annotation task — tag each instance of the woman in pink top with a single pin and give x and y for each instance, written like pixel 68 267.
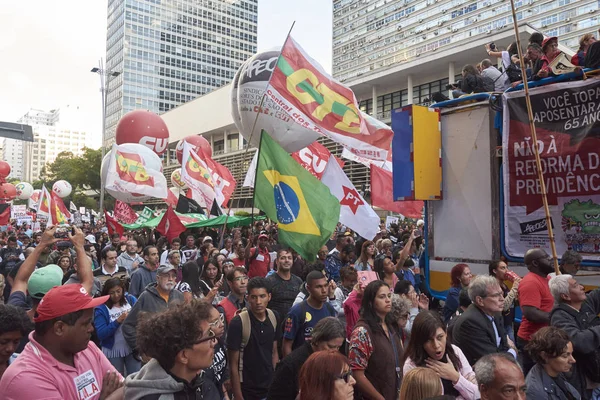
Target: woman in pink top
pixel 429 348
pixel 385 268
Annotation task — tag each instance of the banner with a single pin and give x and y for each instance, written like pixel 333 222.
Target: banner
pixel 19 211
pixel 567 119
pixel 316 101
pixel 196 174
pixel 124 213
pixel 314 159
pixel 387 165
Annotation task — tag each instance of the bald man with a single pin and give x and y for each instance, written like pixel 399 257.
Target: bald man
pixel 535 299
pixel 498 374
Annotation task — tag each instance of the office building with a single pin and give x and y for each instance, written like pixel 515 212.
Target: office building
pixel 399 52
pixel 171 51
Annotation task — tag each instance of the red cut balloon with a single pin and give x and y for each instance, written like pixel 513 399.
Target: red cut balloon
pixel 4 169
pixel 143 127
pixel 197 142
pixel 8 191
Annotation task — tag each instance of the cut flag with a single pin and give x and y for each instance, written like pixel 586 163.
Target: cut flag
pixel 170 225
pixel 43 211
pixel 313 99
pixel 113 225
pixel 304 208
pixel 188 206
pixel 196 174
pixel 72 207
pixel 355 212
pixel 216 210
pixel 128 173
pixel 59 215
pixel 124 213
pixel 381 195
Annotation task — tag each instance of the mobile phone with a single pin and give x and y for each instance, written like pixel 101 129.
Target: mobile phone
pixel 62 231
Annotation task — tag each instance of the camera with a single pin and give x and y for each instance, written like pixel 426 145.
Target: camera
pixel 455 85
pixel 62 231
pixel 493 47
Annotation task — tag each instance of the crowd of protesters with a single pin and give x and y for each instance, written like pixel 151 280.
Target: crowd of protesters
pixel 239 315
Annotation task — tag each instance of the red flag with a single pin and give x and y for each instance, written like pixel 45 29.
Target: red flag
pixel 113 225
pixel 170 225
pixel 314 158
pixel 124 213
pixel 171 199
pixel 59 215
pixel 4 214
pixel 381 195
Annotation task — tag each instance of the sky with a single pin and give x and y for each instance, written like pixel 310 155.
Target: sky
pixel 49 47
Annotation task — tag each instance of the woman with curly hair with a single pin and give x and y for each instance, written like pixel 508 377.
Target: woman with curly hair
pixel 180 342
pixel 326 375
pixel 552 350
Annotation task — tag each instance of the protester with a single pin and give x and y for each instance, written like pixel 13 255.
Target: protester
pixel 551 51
pixel 420 383
pixel 231 305
pixel 348 278
pixel 115 240
pixel 577 315
pixel 385 270
pixel 176 247
pixel 508 65
pixel 584 43
pixel 252 359
pixel 257 258
pixel 463 304
pixel 428 347
pixel 190 250
pixel 500 377
pixel 570 262
pixel 10 255
pixel 460 277
pixel 499 269
pixel 60 361
pixel 146 272
pixel 190 284
pixel 284 285
pixel 337 260
pixel 75 278
pixel 14 326
pixel 366 261
pixel 375 350
pixel 181 343
pixel 552 351
pixel 326 375
pixel 110 268
pixel 211 281
pixel 227 249
pixel 66 264
pixel 90 251
pixel 227 267
pixel 108 320
pixel 302 317
pixel 238 257
pixel 322 254
pixel 157 297
pixel 328 334
pixel 535 300
pixel 418 302
pixel 129 259
pixel 400 313
pixel 63 248
pixel 218 373
pixel 592 58
pixel 489 71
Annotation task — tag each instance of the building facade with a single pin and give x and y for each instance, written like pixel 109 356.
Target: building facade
pixel 169 52
pixel 398 52
pixel 54 131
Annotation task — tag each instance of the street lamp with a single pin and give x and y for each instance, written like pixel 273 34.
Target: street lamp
pixel 103 73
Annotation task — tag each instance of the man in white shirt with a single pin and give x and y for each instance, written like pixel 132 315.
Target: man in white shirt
pixel 488 70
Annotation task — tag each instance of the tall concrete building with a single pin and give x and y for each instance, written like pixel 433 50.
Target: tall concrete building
pixel 54 131
pixel 171 51
pixel 398 52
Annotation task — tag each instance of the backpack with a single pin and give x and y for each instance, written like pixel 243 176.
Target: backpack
pixel 246 331
pixel 514 73
pixel 488 84
pixel 589 363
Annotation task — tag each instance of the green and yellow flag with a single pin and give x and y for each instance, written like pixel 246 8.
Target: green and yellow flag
pixel 304 208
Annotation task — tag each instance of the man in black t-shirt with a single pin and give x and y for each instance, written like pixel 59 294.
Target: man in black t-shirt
pixel 259 356
pixel 284 285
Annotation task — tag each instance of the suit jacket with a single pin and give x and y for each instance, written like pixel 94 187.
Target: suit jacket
pixel 474 333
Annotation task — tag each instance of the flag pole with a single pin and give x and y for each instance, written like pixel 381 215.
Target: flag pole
pixel 255 175
pixel 536 151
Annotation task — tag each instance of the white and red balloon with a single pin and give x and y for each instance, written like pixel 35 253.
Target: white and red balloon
pixel 7 191
pixel 62 188
pixel 145 128
pixel 24 190
pixel 253 76
pixel 176 179
pixel 197 142
pixel 151 161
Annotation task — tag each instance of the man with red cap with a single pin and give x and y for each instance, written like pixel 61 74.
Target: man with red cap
pixel 258 259
pixel 60 361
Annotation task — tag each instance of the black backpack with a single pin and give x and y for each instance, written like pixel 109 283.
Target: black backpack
pixel 488 84
pixel 514 73
pixel 589 363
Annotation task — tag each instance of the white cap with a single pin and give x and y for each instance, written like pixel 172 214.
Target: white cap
pixel 206 239
pixel 420 222
pixel 91 239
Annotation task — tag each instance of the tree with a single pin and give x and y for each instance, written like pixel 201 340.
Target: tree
pixel 82 172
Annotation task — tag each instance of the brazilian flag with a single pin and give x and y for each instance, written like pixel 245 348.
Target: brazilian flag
pixel 304 208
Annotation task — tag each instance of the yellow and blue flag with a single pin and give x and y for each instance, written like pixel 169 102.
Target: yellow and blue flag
pixel 304 208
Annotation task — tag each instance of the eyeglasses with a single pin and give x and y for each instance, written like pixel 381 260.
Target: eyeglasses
pixel 218 322
pixel 346 376
pixel 496 295
pixel 210 335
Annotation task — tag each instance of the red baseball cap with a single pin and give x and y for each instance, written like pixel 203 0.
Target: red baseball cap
pixel 66 299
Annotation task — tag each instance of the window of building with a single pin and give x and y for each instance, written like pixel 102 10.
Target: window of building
pixel 218 146
pixel 233 141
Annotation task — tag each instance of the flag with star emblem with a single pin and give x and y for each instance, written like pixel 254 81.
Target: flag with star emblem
pixel 305 210
pixel 129 173
pixel 355 212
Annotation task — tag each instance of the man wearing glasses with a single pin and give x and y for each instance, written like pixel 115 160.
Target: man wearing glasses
pixel 181 342
pixel 480 330
pixel 231 305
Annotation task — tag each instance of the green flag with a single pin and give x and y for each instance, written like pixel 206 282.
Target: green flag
pixel 304 208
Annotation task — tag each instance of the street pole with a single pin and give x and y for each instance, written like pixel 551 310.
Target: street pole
pixel 104 85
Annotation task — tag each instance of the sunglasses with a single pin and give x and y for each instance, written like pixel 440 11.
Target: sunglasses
pixel 346 376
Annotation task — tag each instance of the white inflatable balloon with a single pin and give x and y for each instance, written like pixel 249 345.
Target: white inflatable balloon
pixel 235 111
pixel 24 190
pixel 151 160
pixel 176 179
pixel 253 77
pixel 62 189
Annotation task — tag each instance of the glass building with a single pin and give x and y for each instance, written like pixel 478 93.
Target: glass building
pixel 169 52
pixel 399 52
